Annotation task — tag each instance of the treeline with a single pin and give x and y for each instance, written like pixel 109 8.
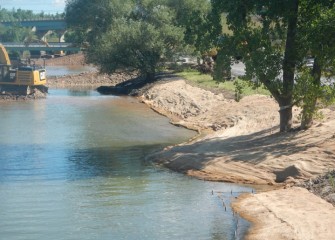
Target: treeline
pixel 20 14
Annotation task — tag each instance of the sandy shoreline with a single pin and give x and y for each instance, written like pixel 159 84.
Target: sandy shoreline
pixel 240 143
pixel 292 213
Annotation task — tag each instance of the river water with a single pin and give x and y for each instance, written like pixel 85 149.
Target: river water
pixel 73 166
pixel 66 70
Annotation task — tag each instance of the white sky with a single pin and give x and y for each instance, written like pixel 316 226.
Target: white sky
pixel 47 6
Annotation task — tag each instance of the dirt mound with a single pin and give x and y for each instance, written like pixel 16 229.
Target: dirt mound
pixel 200 109
pixel 68 60
pixel 292 171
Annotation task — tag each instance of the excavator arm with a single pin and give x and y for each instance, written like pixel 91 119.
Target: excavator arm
pixel 4 58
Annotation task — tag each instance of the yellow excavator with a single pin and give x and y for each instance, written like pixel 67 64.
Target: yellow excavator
pixel 23 79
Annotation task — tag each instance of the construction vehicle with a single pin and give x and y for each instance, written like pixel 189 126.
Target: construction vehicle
pixel 23 79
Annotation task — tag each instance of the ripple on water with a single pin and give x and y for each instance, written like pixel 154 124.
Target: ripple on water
pixel 73 168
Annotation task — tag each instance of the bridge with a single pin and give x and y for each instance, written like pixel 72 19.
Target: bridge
pixel 51 46
pixel 39 24
pixel 42 27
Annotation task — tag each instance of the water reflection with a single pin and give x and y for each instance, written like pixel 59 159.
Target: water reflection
pixel 125 161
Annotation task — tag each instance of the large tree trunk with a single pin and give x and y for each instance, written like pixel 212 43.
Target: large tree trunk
pixel 310 104
pixel 285 113
pixel 286 98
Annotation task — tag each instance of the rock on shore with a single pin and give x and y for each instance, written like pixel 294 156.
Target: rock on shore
pixel 37 94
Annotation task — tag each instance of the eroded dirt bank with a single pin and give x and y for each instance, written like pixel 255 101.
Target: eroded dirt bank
pixel 89 79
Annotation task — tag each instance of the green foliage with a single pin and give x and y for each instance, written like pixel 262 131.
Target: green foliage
pixel 134 44
pixel 238 90
pixel 194 17
pixel 13 34
pixel 317 29
pixel 12 15
pixel 257 37
pixel 331 179
pixel 273 39
pixel 76 37
pixel 312 96
pixel 127 34
pixel 89 20
pixel 206 81
pixel 20 14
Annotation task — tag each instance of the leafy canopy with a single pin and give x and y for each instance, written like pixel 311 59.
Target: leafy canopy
pixel 126 34
pixel 273 38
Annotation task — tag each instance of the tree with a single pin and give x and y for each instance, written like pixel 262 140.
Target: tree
pixel 14 33
pixel 268 35
pixel 316 34
pixel 193 16
pixel 91 19
pixel 127 34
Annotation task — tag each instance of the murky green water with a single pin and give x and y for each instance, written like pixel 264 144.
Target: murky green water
pixel 73 167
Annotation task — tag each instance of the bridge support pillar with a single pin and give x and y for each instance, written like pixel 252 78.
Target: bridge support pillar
pixel 42 35
pixel 60 35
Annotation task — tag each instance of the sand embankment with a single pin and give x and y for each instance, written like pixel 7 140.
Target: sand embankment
pixel 242 144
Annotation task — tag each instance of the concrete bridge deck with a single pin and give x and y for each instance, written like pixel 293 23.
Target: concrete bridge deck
pixel 39 24
pixel 59 46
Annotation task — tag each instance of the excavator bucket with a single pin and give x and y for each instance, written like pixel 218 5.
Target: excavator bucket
pixel 4 58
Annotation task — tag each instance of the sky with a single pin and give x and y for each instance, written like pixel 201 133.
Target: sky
pixel 47 6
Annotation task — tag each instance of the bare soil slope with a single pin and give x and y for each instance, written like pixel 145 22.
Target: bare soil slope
pixel 246 146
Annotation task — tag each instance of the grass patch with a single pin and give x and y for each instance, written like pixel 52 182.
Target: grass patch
pixel 206 81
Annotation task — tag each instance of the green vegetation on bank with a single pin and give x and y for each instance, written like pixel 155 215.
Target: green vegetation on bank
pixel 206 81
